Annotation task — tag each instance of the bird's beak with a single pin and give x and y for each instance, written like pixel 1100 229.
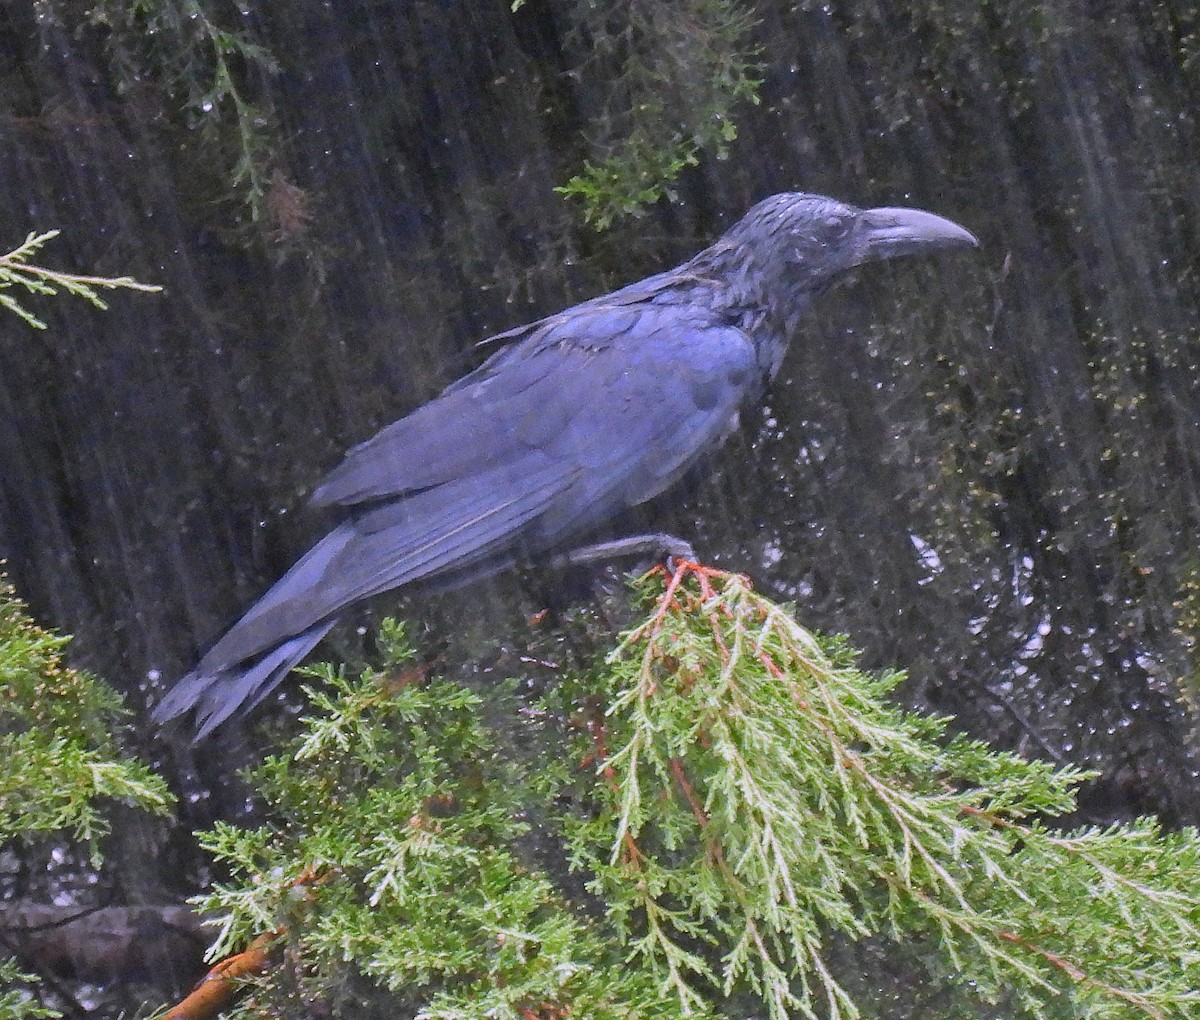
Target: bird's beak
pixel 891 232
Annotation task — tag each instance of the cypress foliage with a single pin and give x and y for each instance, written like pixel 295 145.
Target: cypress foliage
pixel 740 799
pixel 60 765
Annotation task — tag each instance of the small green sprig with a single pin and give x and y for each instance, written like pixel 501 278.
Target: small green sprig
pixel 17 1001
pixel 672 78
pixel 16 269
pixel 60 767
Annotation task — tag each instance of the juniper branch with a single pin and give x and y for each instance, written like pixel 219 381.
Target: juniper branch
pixel 16 269
pixel 777 798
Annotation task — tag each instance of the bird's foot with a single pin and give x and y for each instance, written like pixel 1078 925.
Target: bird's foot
pixel 677 568
pixel 660 546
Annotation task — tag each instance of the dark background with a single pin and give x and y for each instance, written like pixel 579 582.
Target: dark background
pixel 983 469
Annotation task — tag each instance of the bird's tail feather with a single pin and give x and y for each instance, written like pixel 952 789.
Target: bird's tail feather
pixel 216 695
pixel 441 537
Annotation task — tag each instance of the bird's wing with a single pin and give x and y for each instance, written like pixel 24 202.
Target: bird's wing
pixel 586 376
pixel 450 527
pixel 522 459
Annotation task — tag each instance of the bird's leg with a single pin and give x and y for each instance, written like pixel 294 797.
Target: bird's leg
pixel 659 545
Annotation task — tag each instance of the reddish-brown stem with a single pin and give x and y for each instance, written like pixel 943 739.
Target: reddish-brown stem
pixel 689 792
pixel 596 729
pixel 218 987
pixel 1074 972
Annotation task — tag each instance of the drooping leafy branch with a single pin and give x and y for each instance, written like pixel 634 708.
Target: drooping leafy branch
pixel 669 78
pixel 207 66
pixel 760 794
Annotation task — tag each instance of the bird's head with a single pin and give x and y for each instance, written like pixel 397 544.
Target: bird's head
pixel 810 240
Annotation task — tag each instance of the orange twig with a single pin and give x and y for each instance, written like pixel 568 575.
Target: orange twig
pixel 704 577
pixel 772 666
pixel 1074 972
pixel 220 984
pixel 596 730
pixel 689 792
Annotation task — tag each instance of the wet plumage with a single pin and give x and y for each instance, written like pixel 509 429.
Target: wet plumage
pixel 577 417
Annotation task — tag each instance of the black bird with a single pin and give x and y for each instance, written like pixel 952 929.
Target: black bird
pixel 579 416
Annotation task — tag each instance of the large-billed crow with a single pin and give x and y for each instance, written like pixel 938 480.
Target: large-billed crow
pixel 579 416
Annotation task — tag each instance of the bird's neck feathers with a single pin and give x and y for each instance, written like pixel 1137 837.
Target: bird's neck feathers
pixel 761 288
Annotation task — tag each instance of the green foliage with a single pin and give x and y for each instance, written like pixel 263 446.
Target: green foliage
pixel 391 855
pixel 750 799
pixel 16 1002
pixel 15 268
pixel 671 75
pixel 58 756
pixel 760 793
pixel 636 175
pixel 58 759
